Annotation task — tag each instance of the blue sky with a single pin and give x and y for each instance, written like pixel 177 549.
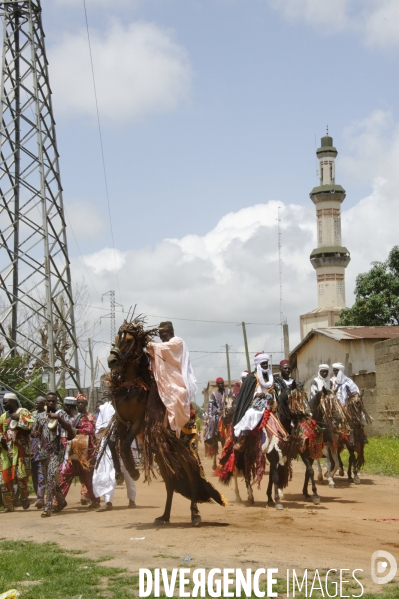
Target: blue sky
pixel 210 108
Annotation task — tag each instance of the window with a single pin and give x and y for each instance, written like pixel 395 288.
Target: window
pixel 320 230
pixel 340 288
pixel 321 288
pixel 321 173
pixel 337 231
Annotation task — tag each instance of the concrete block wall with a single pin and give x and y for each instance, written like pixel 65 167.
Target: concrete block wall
pixel 386 421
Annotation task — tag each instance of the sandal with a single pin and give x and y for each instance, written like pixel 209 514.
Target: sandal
pixel 46 514
pixel 8 509
pixel 58 508
pixel 25 504
pixel 107 507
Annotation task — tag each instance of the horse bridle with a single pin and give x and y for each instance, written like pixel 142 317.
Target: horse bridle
pixel 116 349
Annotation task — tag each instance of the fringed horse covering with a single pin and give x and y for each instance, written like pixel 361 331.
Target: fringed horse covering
pixel 177 458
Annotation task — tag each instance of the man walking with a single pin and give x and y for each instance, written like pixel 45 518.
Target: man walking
pixel 48 429
pixel 84 424
pixel 37 470
pixel 214 413
pixel 104 478
pixel 15 459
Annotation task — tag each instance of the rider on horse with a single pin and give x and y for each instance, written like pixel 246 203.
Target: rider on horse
pixel 256 395
pixel 341 384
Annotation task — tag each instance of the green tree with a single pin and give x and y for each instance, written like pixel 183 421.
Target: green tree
pixel 377 295
pixel 199 410
pixel 14 373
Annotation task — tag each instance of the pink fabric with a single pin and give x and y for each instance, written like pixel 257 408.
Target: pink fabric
pixel 168 365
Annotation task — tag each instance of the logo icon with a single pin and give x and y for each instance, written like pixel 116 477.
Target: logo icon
pixel 379 564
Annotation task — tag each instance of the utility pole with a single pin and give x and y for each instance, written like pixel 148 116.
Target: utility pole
pixel 280 274
pixel 228 365
pixel 92 373
pixel 35 271
pixel 286 341
pixel 244 330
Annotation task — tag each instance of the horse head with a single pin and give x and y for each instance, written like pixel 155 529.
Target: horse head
pixel 228 409
pixel 130 343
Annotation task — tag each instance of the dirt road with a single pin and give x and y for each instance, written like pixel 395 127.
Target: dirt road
pixel 339 533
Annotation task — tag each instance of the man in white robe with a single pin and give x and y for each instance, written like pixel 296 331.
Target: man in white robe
pixel 320 381
pixel 341 384
pixel 260 394
pixel 104 478
pixel 170 363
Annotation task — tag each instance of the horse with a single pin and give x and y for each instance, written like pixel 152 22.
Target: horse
pixel 350 436
pixel 139 409
pixel 220 430
pixel 265 442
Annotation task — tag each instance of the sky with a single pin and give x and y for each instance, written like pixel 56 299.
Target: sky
pixel 210 114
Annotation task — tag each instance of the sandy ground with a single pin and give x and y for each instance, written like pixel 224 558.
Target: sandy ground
pixel 339 533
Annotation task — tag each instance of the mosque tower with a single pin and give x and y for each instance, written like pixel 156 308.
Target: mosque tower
pixel 330 258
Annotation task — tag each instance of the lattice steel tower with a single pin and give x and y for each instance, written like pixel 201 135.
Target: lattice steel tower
pixel 37 311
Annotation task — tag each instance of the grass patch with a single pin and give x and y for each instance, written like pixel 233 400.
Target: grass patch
pixel 381 456
pixel 56 573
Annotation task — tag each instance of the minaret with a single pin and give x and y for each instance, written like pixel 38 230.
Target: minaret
pixel 330 258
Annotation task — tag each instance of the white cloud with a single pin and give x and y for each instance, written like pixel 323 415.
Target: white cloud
pixel 376 21
pixel 104 261
pixel 139 70
pixel 85 219
pixel 230 274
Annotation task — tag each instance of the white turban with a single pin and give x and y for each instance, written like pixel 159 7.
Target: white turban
pixel 10 396
pixel 259 359
pixel 323 367
pixel 244 374
pixel 319 380
pixel 340 378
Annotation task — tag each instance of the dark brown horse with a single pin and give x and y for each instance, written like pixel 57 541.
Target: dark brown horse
pixel 139 409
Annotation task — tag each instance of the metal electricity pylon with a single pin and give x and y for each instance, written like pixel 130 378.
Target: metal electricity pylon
pixel 37 311
pixel 111 315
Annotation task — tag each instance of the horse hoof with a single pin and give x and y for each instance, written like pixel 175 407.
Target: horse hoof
pixel 350 480
pixel 341 472
pixel 356 480
pixel 136 475
pixel 270 503
pixel 280 494
pixel 316 499
pixel 279 506
pixel 251 500
pixel 161 520
pixel 331 484
pixel 196 520
pixel 325 475
pixel 320 478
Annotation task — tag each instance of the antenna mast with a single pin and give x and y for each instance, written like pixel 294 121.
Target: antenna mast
pixel 37 319
pixel 280 273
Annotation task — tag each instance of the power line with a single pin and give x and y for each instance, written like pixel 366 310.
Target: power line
pixel 102 146
pixel 266 324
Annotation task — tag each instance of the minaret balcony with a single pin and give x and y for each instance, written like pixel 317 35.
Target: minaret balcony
pixel 326 193
pixel 333 255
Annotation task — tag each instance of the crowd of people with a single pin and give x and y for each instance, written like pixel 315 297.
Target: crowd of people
pixel 53 445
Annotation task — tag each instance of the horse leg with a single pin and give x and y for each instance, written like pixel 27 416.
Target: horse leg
pixel 310 475
pixel 331 467
pixel 319 472
pixel 341 465
pixel 214 465
pixel 273 458
pixel 251 499
pixel 165 518
pixel 236 490
pixel 352 464
pixel 195 515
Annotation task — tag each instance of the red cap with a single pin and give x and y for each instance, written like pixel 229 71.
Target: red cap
pixel 284 362
pixel 220 379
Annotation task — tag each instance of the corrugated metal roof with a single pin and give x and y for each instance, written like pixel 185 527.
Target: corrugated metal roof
pixel 360 332
pixel 354 333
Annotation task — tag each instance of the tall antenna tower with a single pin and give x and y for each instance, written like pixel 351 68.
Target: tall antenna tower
pixel 111 315
pixel 37 312
pixel 280 274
